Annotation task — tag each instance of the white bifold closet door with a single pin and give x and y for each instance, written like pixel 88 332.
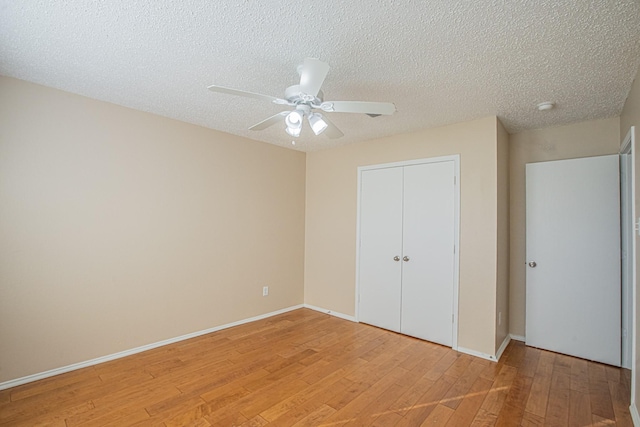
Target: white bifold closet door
pixel 427 240
pixel 380 242
pixel 407 250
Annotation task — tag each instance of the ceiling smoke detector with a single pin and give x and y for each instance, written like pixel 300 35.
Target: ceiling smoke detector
pixel 544 106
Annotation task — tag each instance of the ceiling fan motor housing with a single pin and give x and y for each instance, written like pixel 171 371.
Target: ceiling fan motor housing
pixel 296 96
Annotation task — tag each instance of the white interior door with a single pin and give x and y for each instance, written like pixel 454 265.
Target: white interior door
pixel 428 252
pixel 380 243
pixel 573 256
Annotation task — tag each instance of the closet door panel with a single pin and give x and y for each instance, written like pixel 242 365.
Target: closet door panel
pixel 428 240
pixel 380 241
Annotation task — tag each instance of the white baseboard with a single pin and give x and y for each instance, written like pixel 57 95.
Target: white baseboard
pixel 635 417
pixel 517 337
pixel 42 375
pixel 503 346
pixel 460 349
pixel 331 312
pixel 477 354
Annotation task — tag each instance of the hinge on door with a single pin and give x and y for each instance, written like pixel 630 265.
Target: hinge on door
pixel 453 319
pixel 454 180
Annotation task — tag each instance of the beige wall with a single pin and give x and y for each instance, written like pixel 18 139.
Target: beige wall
pixel 631 117
pixel 586 139
pixel 120 228
pixel 115 223
pixel 331 202
pixel 502 285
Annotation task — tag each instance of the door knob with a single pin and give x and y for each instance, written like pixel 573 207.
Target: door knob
pixel 532 264
pixel 396 258
pixel 405 259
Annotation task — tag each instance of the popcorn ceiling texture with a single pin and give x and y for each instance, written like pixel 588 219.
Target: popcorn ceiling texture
pixel 439 61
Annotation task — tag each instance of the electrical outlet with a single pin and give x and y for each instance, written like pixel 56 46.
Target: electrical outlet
pixel 265 291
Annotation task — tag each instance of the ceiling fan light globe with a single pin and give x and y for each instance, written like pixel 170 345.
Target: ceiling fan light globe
pixel 293 131
pixel 294 119
pixel 318 125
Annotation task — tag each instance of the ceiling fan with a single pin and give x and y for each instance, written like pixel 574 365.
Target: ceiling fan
pixel 307 97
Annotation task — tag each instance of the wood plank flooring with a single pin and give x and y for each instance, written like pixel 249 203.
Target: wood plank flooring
pixel 304 368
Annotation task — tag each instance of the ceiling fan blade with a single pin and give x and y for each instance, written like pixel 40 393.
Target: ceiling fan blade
pixel 312 76
pixel 227 90
pixel 331 131
pixel 365 107
pixel 270 121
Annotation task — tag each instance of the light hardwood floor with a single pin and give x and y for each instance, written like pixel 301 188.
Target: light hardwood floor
pixel 305 368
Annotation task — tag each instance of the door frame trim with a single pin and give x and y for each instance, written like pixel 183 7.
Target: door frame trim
pixel 628 146
pixel 627 225
pixel 456 232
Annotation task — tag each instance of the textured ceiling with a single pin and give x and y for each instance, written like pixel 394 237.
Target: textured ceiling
pixel 439 61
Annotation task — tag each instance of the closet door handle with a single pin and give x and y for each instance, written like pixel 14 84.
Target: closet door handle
pixel 396 258
pixel 405 259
